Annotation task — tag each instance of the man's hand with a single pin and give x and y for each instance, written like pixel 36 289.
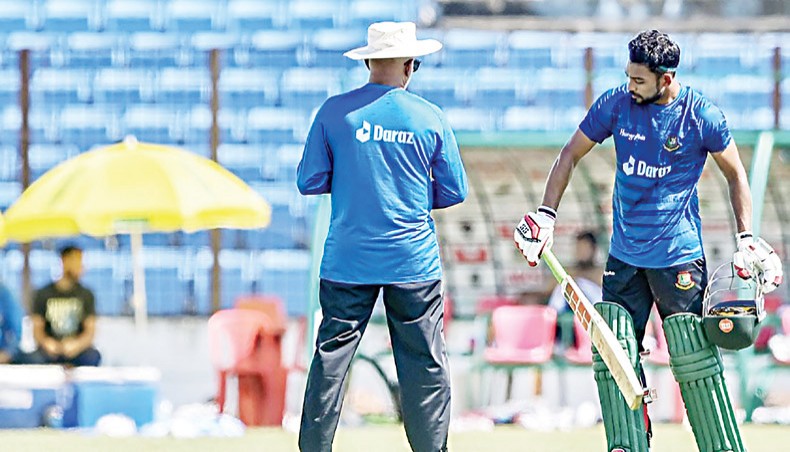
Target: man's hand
pixel 535 234
pixel 5 358
pixel 52 347
pixel 71 348
pixel 757 258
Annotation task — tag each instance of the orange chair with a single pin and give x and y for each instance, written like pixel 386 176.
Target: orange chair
pixel 246 343
pixel 523 336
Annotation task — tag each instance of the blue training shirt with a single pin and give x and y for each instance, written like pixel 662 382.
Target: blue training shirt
pixel 661 150
pixel 388 157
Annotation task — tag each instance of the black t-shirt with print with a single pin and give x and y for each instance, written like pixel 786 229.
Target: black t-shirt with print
pixel 64 312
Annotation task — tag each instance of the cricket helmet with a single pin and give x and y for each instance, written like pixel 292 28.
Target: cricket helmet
pixel 732 309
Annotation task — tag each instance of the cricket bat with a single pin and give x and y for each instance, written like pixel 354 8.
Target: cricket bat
pixel 612 353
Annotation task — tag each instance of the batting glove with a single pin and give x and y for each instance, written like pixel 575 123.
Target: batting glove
pixel 757 258
pixel 535 234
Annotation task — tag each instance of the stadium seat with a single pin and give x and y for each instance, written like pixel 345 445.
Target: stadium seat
pixel 9 192
pixel 190 16
pixel 308 88
pixel 92 50
pixel 203 42
pixel 446 87
pixel 528 118
pixel 9 164
pixel 247 88
pixel 328 46
pixel 130 16
pixel 536 49
pixel 88 125
pixel 473 48
pixel 251 15
pixel 17 16
pixel 288 156
pixel 273 125
pixel 183 86
pixel 720 54
pixel 39 44
pixel 152 123
pixel 49 86
pixel 198 130
pixel 156 50
pixel 560 88
pixel 9 86
pixel 165 291
pixel 610 50
pixel 314 14
pixel 69 15
pixel 107 287
pixel 119 86
pixel 43 157
pixel 246 161
pixel 501 88
pixel 275 49
pixel 471 119
pixel 362 13
pixel 286 274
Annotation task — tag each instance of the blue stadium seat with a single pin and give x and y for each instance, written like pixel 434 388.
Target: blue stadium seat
pixel 236 274
pixel 123 86
pixel 446 87
pixel 190 16
pixel 275 49
pixel 43 125
pixel 284 232
pixel 473 48
pixel 362 13
pixel 90 50
pixel 746 92
pixel 9 192
pixel 528 119
pixel 286 273
pixel 10 123
pixel 44 157
pixel 198 130
pixel 356 77
pixel 472 119
pixel 610 50
pixel 107 287
pixel 288 156
pixel 10 165
pixel 255 15
pixel 500 88
pixel 69 15
pixel 247 88
pixel 536 49
pixel 308 88
pixel 88 125
pixel 196 239
pixel 9 86
pixel 183 86
pixel 605 80
pixel 247 161
pixel 272 125
pixel 16 16
pixel 151 123
pixel 314 14
pixel 203 42
pixel 560 88
pixel 328 46
pixel 155 50
pixel 49 86
pixel 166 292
pixel 39 44
pixel 720 54
pixel 132 15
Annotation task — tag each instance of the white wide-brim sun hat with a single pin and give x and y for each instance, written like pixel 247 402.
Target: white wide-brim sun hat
pixel 393 40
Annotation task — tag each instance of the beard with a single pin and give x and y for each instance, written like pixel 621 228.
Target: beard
pixel 648 100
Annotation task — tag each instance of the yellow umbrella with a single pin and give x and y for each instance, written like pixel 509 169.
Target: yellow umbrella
pixel 133 187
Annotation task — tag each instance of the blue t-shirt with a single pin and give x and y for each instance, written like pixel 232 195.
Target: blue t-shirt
pixel 661 150
pixel 387 157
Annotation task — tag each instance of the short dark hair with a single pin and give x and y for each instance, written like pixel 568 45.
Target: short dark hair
pixel 68 249
pixel 587 236
pixel 656 50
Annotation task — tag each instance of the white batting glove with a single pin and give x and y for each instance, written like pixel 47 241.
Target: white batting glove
pixel 757 258
pixel 535 234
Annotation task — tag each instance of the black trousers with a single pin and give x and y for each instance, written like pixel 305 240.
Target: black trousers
pixel 415 318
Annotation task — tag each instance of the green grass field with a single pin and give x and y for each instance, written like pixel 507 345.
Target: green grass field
pixel 668 438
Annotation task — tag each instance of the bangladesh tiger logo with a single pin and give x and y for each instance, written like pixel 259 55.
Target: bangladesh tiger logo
pixel 672 143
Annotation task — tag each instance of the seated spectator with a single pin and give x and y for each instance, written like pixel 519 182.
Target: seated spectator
pixel 64 318
pixel 10 326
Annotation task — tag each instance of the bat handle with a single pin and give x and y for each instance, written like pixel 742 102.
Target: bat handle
pixel 554 265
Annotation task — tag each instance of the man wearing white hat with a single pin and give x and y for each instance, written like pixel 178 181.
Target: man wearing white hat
pixel 387 157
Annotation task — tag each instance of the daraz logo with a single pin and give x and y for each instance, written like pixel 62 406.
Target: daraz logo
pixel 643 169
pixel 363 134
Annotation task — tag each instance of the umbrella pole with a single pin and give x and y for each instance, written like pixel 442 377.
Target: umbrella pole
pixel 138 279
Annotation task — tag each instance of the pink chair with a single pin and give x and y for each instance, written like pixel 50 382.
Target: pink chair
pixel 246 343
pixel 523 336
pixel 581 353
